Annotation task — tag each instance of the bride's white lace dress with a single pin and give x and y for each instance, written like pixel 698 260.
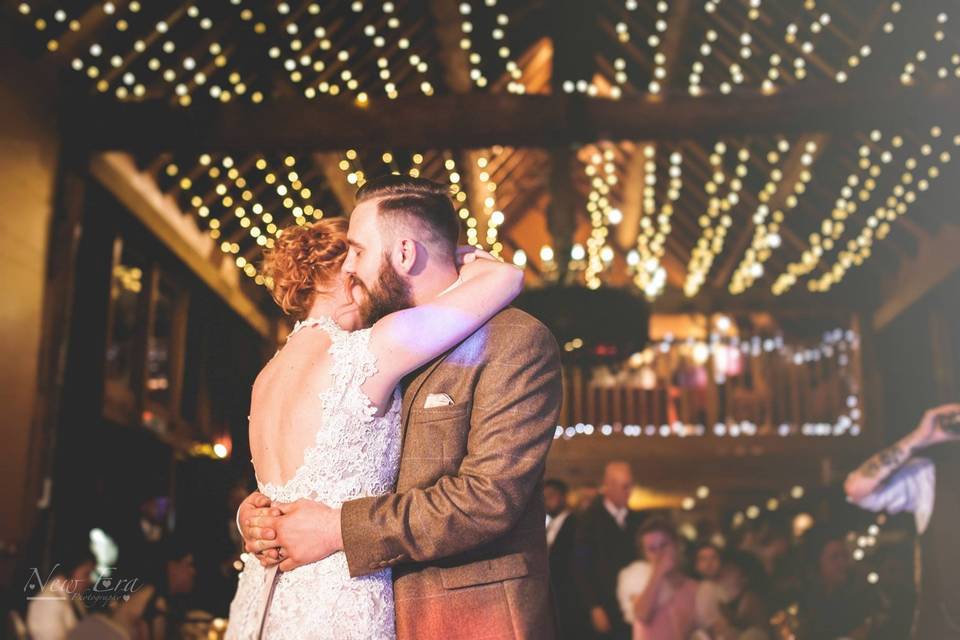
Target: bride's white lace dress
pixel 355 454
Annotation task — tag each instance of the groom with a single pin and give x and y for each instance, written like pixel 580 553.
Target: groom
pixel 464 532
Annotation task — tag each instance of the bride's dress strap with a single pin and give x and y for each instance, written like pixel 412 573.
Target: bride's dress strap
pixel 352 364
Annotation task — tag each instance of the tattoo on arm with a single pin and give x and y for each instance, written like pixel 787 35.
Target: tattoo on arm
pixel 884 462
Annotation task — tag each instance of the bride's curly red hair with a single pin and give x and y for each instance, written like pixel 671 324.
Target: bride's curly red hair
pixel 305 259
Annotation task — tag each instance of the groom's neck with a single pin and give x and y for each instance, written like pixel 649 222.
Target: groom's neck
pixel 432 282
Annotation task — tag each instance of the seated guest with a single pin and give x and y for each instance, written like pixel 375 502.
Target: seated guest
pixel 605 545
pixel 655 596
pixel 561 532
pixel 55 610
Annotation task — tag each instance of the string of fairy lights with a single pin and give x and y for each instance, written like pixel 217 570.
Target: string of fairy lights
pixel 234 196
pixel 920 170
pixel 646 261
pixel 602 171
pixel 878 225
pixel 716 221
pixel 766 237
pixel 938 57
pixel 189 50
pixel 654 42
pixel 874 157
pixel 310 47
pixel 498 36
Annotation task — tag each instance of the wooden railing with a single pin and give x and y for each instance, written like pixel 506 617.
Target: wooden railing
pixel 759 386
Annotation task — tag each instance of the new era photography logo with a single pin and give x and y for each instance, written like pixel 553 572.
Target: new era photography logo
pixel 56 587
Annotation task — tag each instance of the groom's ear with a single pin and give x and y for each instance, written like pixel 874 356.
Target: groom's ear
pixel 408 252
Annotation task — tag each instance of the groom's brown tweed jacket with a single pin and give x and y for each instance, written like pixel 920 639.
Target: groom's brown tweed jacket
pixel 464 532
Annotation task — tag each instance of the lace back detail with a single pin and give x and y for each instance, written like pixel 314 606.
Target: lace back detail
pixel 354 454
pixel 352 438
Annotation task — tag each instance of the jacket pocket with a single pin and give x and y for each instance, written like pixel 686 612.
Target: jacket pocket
pixel 434 414
pixel 499 569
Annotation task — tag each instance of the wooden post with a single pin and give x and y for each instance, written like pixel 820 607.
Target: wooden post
pixel 66 228
pixel 865 366
pixel 941 341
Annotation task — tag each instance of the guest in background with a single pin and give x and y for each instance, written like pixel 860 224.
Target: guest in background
pixel 896 480
pixel 655 595
pixel 771 542
pixel 605 545
pixel 896 592
pixel 140 538
pixel 123 621
pixel 57 607
pixel 707 561
pixel 831 605
pixel 561 541
pixel 742 611
pixel 167 611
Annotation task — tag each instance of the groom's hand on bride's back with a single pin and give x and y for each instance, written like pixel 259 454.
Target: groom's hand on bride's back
pixel 256 518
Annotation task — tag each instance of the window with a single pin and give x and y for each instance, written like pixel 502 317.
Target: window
pixel 128 295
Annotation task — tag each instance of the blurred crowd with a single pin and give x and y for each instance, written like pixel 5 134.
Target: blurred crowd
pixel 822 564
pixel 822 568
pixel 147 576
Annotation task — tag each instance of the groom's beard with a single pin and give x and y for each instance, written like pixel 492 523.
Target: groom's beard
pixel 390 293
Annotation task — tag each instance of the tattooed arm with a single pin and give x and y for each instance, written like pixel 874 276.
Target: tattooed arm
pixel 931 430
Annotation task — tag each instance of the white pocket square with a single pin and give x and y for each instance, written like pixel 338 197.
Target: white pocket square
pixel 437 400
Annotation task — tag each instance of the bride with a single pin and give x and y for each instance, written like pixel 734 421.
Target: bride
pixel 325 420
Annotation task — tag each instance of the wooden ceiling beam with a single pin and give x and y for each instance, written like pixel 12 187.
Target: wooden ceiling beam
pixel 673 39
pixel 936 259
pixel 328 164
pixel 479 120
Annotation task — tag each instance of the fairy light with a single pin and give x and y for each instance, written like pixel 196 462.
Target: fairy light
pixel 766 237
pixel 864 180
pixel 459 194
pixel 911 184
pixel 717 220
pixel 354 176
pixel 921 55
pixel 197 75
pixel 650 275
pixel 298 62
pixel 745 42
pixel 520 258
pixel 495 217
pixel 248 205
pixel 655 42
pixel 498 39
pixel 213 224
pixel 704 51
pixel 601 170
pixel 619 77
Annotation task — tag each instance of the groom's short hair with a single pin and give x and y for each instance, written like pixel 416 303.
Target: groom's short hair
pixel 422 202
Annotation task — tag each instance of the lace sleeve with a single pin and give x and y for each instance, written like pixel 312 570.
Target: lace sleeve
pixel 353 364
